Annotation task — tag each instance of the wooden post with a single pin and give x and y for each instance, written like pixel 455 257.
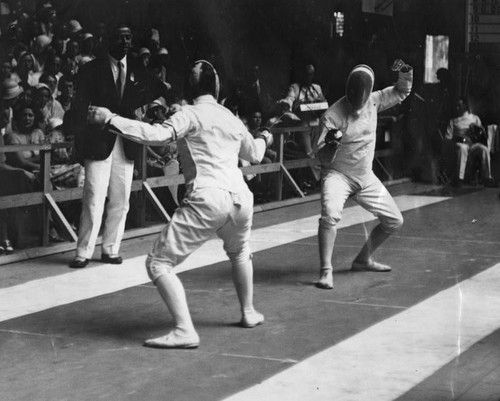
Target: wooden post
pixel 46 189
pixel 279 190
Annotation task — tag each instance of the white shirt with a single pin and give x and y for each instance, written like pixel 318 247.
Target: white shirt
pixel 460 126
pixel 114 67
pixel 210 139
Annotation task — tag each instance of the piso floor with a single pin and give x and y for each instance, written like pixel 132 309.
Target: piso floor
pixel 429 330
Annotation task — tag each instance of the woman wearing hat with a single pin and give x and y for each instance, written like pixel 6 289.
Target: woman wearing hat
pixel 46 107
pixel 26 68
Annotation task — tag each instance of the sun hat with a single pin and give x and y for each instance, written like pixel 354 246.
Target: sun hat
pixel 74 26
pixel 53 123
pixel 162 51
pixel 10 89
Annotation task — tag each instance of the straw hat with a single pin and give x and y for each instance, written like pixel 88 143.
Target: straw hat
pixel 54 123
pixel 144 50
pixel 74 26
pixel 162 51
pixel 10 89
pixel 41 86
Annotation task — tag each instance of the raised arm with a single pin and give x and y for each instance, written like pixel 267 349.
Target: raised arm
pixel 392 95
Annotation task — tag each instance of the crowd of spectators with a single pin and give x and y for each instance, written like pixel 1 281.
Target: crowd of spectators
pixel 41 54
pixel 41 57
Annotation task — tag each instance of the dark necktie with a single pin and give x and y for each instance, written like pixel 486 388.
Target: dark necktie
pixel 119 80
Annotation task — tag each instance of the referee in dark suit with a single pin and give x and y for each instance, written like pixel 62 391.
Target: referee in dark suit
pixel 114 82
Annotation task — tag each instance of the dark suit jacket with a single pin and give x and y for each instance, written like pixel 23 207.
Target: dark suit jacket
pixel 96 86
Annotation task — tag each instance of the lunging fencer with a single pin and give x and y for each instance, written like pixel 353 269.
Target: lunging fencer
pixel 210 140
pixel 345 146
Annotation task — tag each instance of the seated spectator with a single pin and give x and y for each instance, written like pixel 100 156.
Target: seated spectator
pixel 47 16
pixel 67 92
pixel 58 47
pixel 12 180
pixel 305 92
pixel 5 70
pixel 74 29
pixel 45 106
pixel 64 171
pixel 10 94
pixel 25 71
pixel 256 92
pixel 51 81
pixel 53 67
pixel 41 50
pixel 470 151
pixel 72 58
pixel 26 96
pixel 144 56
pixel 161 58
pixel 25 133
pixel 234 101
pixel 88 48
pixel 261 185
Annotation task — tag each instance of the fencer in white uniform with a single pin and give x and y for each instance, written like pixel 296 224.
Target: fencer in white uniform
pixel 210 140
pixel 347 169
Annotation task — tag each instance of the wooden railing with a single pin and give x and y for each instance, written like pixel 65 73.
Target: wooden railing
pixel 49 199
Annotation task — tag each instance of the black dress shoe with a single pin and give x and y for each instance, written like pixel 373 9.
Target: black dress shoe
pixel 117 260
pixel 78 263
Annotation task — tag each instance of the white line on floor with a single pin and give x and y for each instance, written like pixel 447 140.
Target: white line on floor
pixel 364 304
pixel 388 359
pixel 42 294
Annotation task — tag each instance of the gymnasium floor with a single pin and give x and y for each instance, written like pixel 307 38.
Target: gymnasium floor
pixel 429 330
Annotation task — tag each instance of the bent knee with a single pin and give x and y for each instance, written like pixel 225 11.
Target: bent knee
pixel 392 224
pixel 329 221
pixel 241 255
pixel 156 269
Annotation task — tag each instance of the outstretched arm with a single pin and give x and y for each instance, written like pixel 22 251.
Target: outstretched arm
pixel 138 131
pixel 253 149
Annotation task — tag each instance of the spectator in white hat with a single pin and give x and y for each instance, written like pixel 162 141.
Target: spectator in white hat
pixel 40 49
pixel 26 68
pixel 10 91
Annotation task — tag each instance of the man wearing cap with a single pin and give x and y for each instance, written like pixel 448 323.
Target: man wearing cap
pixel 112 82
pixel 347 165
pixel 210 140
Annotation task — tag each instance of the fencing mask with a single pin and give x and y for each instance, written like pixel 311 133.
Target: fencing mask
pixel 359 86
pixel 203 79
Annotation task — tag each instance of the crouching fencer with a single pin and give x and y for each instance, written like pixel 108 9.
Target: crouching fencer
pixel 344 143
pixel 210 140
